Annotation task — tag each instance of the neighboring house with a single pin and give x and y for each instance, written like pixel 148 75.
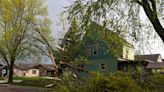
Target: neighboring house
pixel 150 63
pixel 1 67
pixel 128 52
pixel 34 70
pixel 155 62
pixel 3 70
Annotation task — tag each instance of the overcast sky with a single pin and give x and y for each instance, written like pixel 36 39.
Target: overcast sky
pixel 55 7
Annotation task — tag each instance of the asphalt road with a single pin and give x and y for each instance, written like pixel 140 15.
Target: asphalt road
pixel 13 88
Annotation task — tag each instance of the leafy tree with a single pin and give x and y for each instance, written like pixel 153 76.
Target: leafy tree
pixel 17 30
pixel 70 43
pixel 123 16
pixel 44 38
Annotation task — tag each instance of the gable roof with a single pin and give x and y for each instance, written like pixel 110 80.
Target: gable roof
pixel 151 57
pixel 155 65
pixel 49 67
pixel 96 31
pixel 26 66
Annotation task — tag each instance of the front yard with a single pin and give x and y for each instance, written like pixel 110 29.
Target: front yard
pixel 30 81
pixel 26 83
pixel 33 82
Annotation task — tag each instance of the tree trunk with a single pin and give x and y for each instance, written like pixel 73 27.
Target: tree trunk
pixel 10 76
pixel 158 27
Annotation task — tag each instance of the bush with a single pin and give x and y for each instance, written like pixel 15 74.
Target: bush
pixel 70 84
pixel 154 82
pixel 119 82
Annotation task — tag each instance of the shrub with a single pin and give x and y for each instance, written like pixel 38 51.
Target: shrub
pixel 119 82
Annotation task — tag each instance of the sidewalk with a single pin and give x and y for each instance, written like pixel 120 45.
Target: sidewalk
pixel 5 81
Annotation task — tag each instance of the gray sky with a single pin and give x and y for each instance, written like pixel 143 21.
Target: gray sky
pixel 55 7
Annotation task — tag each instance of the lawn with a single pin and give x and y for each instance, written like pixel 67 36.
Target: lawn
pixel 33 82
pixel 1 78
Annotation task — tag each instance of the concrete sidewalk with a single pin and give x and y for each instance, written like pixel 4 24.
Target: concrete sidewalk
pixel 5 81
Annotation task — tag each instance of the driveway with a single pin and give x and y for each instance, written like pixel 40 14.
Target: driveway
pixel 13 88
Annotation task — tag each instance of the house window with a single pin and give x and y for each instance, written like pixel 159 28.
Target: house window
pixel 95 50
pixel 33 71
pixel 126 55
pixel 88 50
pixel 103 66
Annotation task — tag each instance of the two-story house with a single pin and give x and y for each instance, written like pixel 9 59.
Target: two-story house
pixel 101 51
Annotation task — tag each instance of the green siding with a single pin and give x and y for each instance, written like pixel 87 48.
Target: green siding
pixel 104 56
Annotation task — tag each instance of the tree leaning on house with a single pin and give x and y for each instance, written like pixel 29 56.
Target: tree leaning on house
pixel 17 29
pixel 70 44
pixel 120 14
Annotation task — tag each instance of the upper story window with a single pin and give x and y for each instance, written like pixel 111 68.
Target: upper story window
pixel 89 50
pixel 92 50
pixel 127 53
pixel 95 50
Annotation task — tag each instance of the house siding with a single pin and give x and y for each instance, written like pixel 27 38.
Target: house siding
pixel 128 52
pixel 29 73
pixel 26 73
pixel 103 56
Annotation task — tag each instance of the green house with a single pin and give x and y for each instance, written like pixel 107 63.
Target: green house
pixel 96 49
pixel 101 47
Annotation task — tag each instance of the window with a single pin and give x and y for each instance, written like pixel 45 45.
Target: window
pixel 103 66
pixel 95 50
pixel 33 71
pixel 88 50
pixel 126 55
pixel 92 50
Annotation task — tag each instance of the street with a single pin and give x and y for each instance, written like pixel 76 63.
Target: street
pixel 13 88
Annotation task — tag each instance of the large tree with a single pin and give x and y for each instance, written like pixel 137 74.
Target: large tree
pixel 17 30
pixel 122 16
pixel 69 45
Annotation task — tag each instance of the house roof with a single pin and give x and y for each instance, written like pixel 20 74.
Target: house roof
pixel 23 66
pixel 98 28
pixel 155 65
pixel 124 60
pixel 49 67
pixel 1 67
pixel 151 57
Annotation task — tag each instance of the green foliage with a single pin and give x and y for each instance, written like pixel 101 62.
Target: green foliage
pixel 124 17
pixel 119 82
pixel 154 82
pixel 33 82
pixel 1 78
pixel 99 33
pixel 70 84
pixel 70 43
pixel 17 30
pixel 23 23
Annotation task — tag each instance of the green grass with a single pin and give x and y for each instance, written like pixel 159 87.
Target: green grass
pixel 1 78
pixel 33 82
